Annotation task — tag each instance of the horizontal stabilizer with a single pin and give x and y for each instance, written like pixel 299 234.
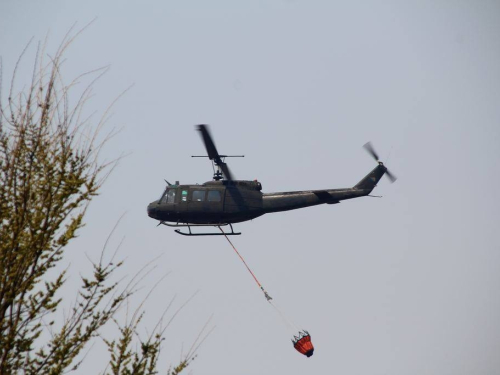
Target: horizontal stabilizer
pixel 325 197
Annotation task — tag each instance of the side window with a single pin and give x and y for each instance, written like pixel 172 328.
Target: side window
pixel 214 196
pixel 171 196
pixel 198 195
pixel 184 195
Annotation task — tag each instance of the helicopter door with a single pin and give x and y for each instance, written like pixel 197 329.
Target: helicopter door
pixel 196 199
pixel 215 201
pixel 207 203
pixel 182 200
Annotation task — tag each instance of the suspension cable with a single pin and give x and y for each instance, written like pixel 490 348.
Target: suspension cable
pixel 268 297
pixel 285 319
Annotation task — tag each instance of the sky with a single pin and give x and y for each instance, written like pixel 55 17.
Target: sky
pixel 403 284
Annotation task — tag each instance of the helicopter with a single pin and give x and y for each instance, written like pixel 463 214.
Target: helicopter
pixel 225 201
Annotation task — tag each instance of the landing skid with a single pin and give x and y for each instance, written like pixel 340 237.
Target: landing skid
pixel 232 233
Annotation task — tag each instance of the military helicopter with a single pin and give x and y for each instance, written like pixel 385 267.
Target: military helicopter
pixel 225 201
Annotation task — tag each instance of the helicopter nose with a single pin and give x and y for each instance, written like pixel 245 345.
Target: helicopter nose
pixel 152 210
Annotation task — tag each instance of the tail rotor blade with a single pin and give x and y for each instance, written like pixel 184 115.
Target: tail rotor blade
pixel 369 148
pixel 390 176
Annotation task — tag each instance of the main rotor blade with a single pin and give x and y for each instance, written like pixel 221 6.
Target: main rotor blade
pixel 390 176
pixel 212 152
pixel 369 148
pixel 209 143
pixel 225 171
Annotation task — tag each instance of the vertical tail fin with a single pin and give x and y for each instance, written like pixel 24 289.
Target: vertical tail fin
pixel 372 178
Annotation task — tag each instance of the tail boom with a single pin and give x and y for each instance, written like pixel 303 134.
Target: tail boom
pixel 292 200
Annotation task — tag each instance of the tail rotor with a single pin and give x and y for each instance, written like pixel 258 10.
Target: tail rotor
pixel 369 148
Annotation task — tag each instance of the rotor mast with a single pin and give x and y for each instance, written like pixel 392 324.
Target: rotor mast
pixel 218 172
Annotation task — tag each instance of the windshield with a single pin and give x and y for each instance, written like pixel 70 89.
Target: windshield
pixel 168 196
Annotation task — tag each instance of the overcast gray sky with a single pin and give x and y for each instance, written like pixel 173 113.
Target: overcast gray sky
pixel 407 284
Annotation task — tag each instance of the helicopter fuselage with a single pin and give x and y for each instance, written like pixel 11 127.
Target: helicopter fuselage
pixel 234 201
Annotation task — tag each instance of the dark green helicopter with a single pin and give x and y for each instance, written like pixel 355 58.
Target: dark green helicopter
pixel 225 201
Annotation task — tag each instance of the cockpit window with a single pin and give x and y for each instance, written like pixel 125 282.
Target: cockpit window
pixel 170 196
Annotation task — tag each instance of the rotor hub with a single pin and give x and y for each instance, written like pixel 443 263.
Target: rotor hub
pixel 217 175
